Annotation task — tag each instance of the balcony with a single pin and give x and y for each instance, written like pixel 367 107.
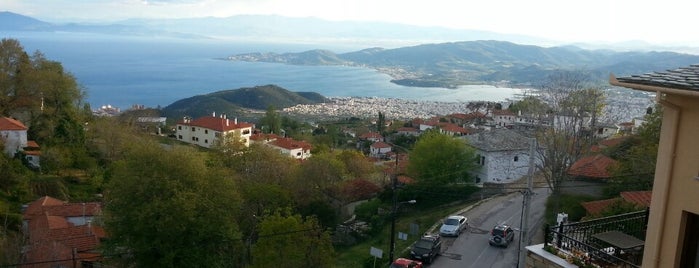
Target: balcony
pixel 615 241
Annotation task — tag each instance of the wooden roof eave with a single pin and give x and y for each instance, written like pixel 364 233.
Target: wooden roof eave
pixel 673 91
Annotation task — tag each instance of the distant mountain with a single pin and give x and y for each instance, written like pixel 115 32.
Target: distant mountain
pixel 268 28
pixel 233 102
pixel 17 22
pixel 490 62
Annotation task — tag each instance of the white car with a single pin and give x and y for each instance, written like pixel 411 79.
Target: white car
pixel 453 225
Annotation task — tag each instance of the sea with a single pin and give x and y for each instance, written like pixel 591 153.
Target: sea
pixel 157 71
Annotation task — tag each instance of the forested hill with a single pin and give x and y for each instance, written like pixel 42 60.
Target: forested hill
pixel 456 63
pixel 232 101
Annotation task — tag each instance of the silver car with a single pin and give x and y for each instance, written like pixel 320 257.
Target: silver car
pixel 453 225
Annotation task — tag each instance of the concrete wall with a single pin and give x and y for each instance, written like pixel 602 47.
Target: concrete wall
pixel 675 185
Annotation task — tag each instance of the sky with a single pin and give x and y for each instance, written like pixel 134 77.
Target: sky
pixel 667 22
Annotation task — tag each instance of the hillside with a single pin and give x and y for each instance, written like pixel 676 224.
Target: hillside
pixel 477 62
pixel 235 101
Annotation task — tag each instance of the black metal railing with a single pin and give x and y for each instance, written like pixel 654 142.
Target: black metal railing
pixel 577 239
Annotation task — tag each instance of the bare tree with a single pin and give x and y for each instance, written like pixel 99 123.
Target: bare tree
pixel 575 105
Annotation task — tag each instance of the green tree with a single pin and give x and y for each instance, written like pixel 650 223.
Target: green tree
pixel 166 208
pixel 381 124
pixel 319 178
pixel 357 164
pixel 440 159
pixel 272 121
pixel 289 241
pixel 530 105
pixel 636 157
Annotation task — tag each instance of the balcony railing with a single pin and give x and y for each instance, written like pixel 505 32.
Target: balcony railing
pixel 583 240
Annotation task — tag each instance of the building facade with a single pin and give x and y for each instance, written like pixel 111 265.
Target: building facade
pixel 207 131
pixel 672 237
pixel 502 155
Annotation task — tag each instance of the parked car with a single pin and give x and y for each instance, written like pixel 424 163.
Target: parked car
pixel 426 248
pixel 405 263
pixel 453 225
pixel 501 235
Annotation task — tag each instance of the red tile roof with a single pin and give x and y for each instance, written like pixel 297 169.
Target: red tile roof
pixel 216 123
pixel 290 144
pixel 596 207
pixel 640 198
pixel 371 135
pixel 7 123
pixel 379 144
pixel 32 144
pixel 52 236
pixel 453 128
pixel 264 137
pixel 595 166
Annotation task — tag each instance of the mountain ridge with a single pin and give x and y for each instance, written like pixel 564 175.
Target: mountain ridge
pixel 453 64
pixel 235 101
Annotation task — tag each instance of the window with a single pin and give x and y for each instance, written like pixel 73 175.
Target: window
pixel 298 154
pixel 179 127
pixel 690 245
pixel 246 132
pixel 179 137
pixel 194 139
pixel 482 160
pixel 516 158
pixel 206 141
pixel 193 129
pixel 206 131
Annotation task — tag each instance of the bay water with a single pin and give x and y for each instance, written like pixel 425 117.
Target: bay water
pixel 124 71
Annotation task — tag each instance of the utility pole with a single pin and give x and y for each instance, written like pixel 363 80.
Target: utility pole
pixel 394 188
pixel 526 203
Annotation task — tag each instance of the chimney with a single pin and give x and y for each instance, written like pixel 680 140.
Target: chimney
pixel 235 121
pixel 227 122
pixel 213 114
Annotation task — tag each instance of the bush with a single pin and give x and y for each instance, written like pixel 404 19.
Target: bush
pixel 567 203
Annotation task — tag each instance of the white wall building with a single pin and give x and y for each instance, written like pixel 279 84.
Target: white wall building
pixel 205 131
pixel 13 134
pixel 502 155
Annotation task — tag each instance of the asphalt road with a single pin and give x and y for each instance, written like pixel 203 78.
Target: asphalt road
pixel 471 248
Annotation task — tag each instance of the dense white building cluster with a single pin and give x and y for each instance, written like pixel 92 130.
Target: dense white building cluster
pixel 622 106
pixel 369 107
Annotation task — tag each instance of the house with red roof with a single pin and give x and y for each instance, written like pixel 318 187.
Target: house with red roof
pixel 371 136
pixel 503 118
pixel 293 148
pixel 640 199
pixel 596 166
pixel 14 136
pixel 61 234
pixel 286 146
pixel 206 131
pixel 408 131
pixel 379 149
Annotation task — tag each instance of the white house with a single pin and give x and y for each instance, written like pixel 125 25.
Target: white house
pixel 503 118
pixel 293 148
pixel 13 134
pixel 502 155
pixel 205 131
pixel 379 149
